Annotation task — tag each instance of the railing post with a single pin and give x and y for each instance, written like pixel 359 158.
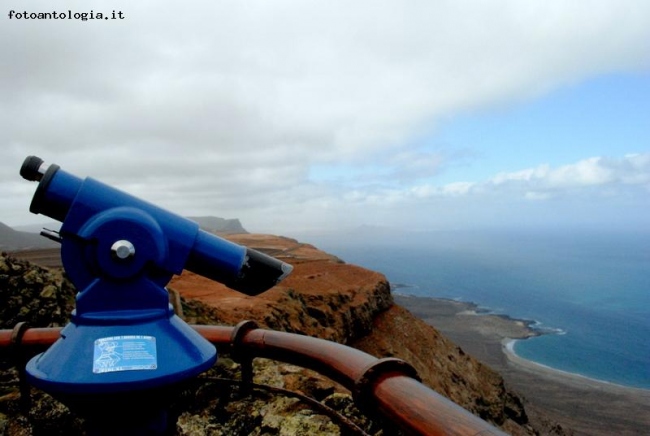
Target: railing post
pixel 18 353
pixel 241 355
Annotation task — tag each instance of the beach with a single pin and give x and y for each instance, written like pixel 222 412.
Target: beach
pixel 583 405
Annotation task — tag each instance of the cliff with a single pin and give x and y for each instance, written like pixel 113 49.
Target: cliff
pixel 323 297
pixel 326 298
pixel 219 225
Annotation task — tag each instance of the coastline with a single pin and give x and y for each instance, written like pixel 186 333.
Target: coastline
pixel 564 376
pixel 523 330
pixel 586 406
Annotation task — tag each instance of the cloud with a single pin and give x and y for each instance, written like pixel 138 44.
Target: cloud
pixel 227 106
pixel 593 190
pixel 595 177
pixel 596 172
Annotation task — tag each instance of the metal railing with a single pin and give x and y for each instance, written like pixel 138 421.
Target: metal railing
pixel 387 386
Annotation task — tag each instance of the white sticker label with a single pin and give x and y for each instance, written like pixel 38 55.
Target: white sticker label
pixel 124 353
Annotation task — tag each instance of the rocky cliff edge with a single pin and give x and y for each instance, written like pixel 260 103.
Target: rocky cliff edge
pixel 327 298
pixel 324 297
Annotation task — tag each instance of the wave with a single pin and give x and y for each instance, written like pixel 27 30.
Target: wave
pixel 395 286
pixel 539 326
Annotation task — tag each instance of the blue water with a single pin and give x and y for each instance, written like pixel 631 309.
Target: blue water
pixel 589 290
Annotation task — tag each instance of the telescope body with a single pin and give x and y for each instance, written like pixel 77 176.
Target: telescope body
pixel 125 351
pixel 179 243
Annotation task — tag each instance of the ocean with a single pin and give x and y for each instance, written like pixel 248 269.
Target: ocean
pixel 589 291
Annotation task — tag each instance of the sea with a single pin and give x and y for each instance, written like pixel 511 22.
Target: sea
pixel 588 291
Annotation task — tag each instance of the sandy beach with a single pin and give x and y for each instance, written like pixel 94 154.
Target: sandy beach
pixel 581 404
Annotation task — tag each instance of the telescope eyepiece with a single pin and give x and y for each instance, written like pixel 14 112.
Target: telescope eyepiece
pixel 33 169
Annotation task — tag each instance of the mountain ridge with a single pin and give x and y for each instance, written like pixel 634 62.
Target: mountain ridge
pixel 15 240
pixel 215 224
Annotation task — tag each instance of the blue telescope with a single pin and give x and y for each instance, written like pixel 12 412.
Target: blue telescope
pixel 125 350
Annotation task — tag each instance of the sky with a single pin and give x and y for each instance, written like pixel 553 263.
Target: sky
pixel 307 115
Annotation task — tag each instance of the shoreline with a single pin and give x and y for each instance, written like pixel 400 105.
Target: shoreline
pixel 528 331
pixel 581 404
pixel 566 376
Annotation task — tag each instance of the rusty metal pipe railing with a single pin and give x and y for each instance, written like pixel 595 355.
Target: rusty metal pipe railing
pixel 388 386
pixel 31 337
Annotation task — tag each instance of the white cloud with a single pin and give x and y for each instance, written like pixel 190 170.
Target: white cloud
pixel 588 172
pixel 457 188
pixel 224 107
pixel 633 170
pixel 521 176
pixel 596 189
pixel 595 176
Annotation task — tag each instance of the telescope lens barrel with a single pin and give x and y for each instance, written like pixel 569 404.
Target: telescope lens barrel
pixel 240 268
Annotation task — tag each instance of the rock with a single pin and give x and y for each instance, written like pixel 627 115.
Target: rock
pixel 39 296
pixel 323 297
pixel 4 422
